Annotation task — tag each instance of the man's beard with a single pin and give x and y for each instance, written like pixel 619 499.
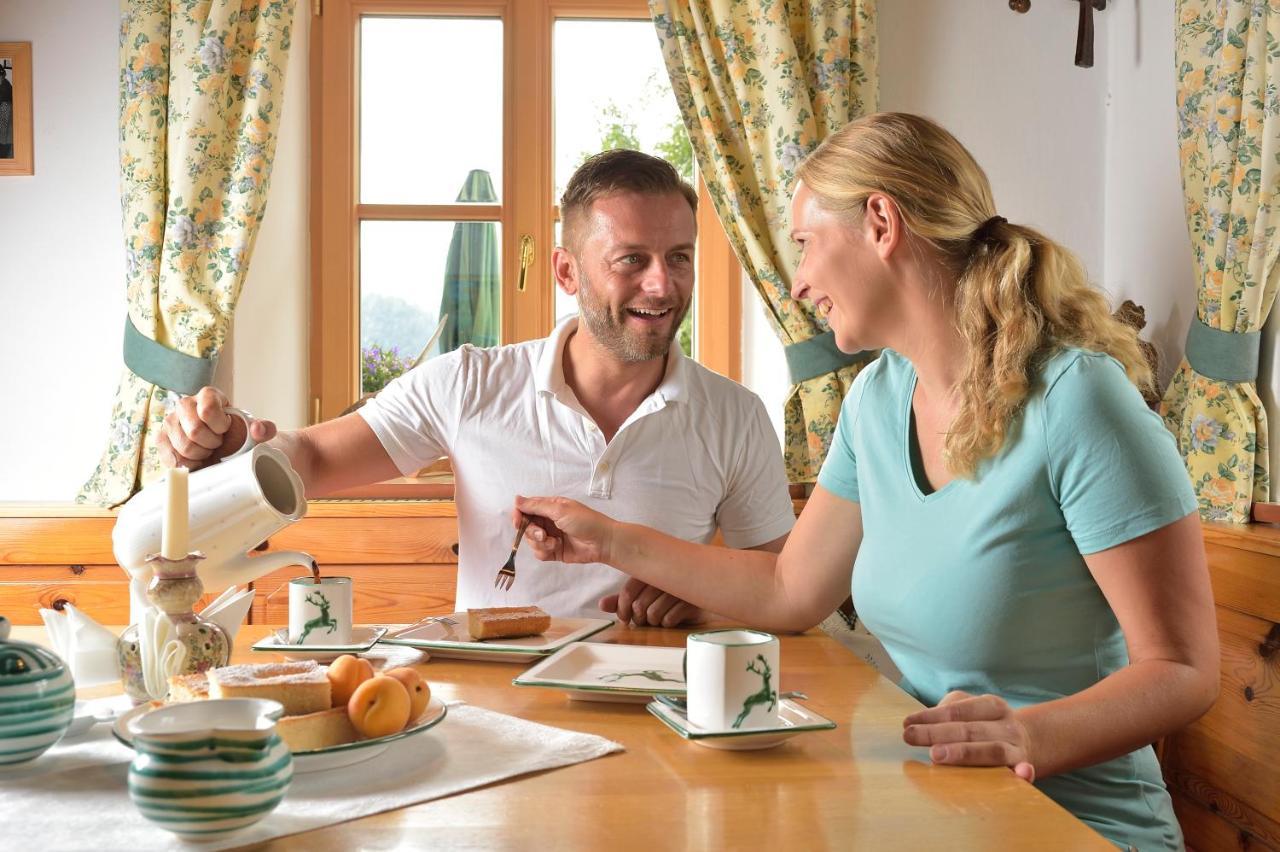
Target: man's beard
pixel 610 328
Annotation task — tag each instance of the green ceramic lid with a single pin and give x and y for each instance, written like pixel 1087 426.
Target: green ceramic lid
pixel 22 662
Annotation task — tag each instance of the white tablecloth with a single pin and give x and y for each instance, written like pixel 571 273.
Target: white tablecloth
pixel 75 795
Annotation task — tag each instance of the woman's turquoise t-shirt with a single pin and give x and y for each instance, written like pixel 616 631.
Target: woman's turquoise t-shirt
pixel 981 585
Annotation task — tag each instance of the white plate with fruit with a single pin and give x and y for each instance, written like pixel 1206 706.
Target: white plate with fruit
pixel 334 716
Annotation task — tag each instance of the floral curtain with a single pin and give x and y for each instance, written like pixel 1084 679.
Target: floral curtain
pixel 1229 137
pixel 201 83
pixel 760 83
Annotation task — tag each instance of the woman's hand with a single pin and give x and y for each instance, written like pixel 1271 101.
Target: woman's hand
pixel 564 530
pixel 968 730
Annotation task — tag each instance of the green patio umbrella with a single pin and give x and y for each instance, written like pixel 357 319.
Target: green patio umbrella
pixel 472 276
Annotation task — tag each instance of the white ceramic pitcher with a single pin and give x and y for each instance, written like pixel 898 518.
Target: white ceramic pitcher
pixel 234 506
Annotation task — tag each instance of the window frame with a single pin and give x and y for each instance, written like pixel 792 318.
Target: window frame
pixel 336 214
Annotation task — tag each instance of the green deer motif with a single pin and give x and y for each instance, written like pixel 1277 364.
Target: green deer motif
pixel 316 599
pixel 651 674
pixel 766 693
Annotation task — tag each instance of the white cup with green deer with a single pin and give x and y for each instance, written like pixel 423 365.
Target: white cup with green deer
pixel 320 613
pixel 732 678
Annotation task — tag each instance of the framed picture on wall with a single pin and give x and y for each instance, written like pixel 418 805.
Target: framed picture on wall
pixel 16 155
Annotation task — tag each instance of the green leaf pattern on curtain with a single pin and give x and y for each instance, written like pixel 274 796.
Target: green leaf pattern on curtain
pixel 760 83
pixel 201 82
pixel 1228 64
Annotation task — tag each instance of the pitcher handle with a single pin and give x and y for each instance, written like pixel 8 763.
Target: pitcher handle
pixel 249 442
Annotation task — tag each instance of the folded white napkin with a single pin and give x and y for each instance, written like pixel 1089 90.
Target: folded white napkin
pixel 87 648
pixel 228 610
pixel 161 652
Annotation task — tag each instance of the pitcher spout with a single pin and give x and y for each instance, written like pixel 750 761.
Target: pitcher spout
pixel 243 569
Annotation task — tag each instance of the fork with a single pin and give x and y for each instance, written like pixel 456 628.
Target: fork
pixel 507 573
pixel 430 619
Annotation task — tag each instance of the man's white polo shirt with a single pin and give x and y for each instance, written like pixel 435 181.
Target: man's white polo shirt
pixel 697 454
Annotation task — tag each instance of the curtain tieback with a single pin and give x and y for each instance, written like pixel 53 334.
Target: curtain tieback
pixel 160 365
pixel 818 356
pixel 1227 356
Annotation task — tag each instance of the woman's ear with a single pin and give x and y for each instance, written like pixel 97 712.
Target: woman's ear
pixel 882 222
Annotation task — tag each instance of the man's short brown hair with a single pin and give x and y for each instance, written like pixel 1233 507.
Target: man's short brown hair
pixel 609 172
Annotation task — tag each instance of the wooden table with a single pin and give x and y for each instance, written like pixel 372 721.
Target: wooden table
pixel 858 786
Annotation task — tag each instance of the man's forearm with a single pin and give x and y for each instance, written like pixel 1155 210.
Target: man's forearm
pixel 296 447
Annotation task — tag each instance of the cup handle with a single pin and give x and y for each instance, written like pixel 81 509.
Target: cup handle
pixel 249 442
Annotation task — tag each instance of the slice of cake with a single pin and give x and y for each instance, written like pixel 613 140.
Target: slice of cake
pixel 505 622
pixel 301 686
pixel 317 730
pixel 189 687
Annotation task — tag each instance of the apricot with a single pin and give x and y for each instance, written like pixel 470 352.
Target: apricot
pixel 379 706
pixel 419 691
pixel 345 674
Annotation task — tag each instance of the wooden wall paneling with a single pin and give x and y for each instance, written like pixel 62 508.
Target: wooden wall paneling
pixel 358 540
pixel 1211 833
pixel 56 541
pixel 383 594
pixel 1222 760
pixel 1244 580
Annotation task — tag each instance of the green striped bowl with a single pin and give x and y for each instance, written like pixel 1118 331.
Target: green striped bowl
pixel 37 700
pixel 208 768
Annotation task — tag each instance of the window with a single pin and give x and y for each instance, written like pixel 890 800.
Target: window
pixel 443 132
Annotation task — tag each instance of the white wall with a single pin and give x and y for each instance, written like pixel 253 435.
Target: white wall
pixel 1088 156
pixel 1147 251
pixel 62 306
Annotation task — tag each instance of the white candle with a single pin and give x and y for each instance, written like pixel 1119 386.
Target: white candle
pixel 173 535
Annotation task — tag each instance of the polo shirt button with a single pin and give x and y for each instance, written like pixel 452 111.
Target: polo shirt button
pixel 603 467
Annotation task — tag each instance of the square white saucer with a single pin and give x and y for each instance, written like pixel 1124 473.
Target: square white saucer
pixel 792 719
pixel 362 639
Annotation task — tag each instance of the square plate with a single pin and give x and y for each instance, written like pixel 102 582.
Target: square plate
pixel 591 671
pixel 362 639
pixel 792 719
pixel 451 640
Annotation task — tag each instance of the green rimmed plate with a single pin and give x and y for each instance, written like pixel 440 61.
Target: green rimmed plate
pixel 447 637
pixel 591 671
pixel 362 639
pixel 320 759
pixel 792 719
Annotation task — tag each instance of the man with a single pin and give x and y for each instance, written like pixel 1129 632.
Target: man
pixel 604 410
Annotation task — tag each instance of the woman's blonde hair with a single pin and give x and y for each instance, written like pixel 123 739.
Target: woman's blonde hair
pixel 1019 295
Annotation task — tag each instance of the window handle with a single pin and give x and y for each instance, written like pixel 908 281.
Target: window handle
pixel 526 260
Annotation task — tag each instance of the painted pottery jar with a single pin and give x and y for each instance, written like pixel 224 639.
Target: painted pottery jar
pixel 174 590
pixel 208 768
pixel 37 699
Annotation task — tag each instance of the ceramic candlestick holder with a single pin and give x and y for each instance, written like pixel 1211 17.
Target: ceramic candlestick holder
pixel 174 589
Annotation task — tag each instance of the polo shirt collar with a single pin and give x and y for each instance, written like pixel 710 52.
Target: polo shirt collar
pixel 548 374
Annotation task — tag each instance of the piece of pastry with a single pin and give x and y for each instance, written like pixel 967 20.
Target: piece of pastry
pixel 317 730
pixel 189 687
pixel 301 686
pixel 505 622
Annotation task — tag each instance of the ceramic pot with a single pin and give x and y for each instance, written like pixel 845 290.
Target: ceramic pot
pixel 37 699
pixel 207 768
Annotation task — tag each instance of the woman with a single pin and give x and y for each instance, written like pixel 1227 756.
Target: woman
pixel 1019 528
